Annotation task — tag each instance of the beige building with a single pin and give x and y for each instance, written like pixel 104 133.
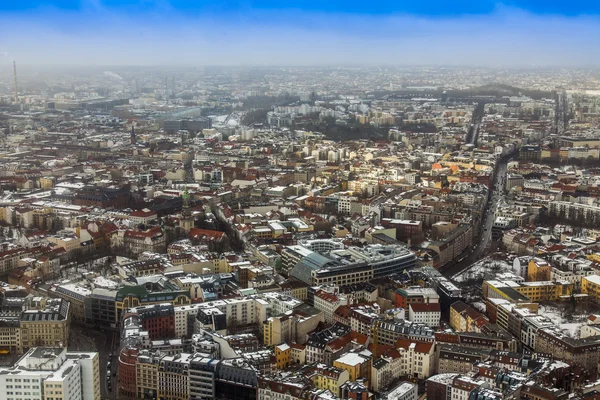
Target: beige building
pixel 47 182
pixel 147 373
pixel 69 243
pixel 418 358
pixel 46 326
pixel 290 327
pixel 10 334
pixel 173 379
pixel 9 259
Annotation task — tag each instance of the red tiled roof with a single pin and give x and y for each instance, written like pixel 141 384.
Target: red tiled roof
pixel 420 347
pixel 331 298
pixel 142 213
pixel 445 337
pixel 425 307
pixel 209 234
pixel 143 234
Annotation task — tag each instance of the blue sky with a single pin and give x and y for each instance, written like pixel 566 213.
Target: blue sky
pixel 309 32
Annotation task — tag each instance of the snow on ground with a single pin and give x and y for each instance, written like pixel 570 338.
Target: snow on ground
pixel 483 269
pixel 571 325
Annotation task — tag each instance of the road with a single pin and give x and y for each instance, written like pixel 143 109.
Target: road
pixel 484 240
pixel 105 342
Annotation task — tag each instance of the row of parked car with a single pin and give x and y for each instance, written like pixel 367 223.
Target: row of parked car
pixel 108 380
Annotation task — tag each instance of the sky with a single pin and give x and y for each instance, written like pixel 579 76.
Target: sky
pixel 524 33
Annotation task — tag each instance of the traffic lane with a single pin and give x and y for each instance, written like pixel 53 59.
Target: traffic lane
pixel 110 354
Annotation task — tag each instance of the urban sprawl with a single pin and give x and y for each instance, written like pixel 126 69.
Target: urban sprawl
pixel 300 234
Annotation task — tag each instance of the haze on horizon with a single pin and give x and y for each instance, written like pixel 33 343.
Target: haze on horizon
pixel 264 32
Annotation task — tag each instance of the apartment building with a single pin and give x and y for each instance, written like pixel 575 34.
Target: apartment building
pixel 328 303
pixel 428 314
pixel 173 377
pixel 52 373
pixel 9 259
pixel 46 326
pixel 418 358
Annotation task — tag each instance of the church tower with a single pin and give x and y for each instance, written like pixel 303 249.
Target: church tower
pixel 187 221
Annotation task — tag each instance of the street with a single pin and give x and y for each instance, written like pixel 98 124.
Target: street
pixel 486 235
pixel 105 342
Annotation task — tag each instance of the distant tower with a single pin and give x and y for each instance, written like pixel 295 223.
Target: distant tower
pixel 187 221
pixel 16 88
pixel 133 141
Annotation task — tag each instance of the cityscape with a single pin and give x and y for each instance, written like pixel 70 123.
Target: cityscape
pixel 287 230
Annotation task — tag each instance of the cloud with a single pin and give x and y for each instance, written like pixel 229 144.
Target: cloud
pixel 160 34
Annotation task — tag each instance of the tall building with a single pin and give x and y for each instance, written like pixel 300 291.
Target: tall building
pixel 52 373
pixel 187 221
pixel 133 139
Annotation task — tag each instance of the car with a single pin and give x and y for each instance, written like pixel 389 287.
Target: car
pixel 115 373
pixel 108 365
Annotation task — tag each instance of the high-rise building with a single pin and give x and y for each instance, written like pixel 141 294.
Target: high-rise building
pixel 133 139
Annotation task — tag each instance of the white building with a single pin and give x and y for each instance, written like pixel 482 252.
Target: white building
pixel 52 374
pixel 418 358
pixel 328 303
pixel 425 313
pixel 403 391
pixel 143 216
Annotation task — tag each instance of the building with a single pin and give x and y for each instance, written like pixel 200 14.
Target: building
pixel 103 197
pixel 453 358
pixel 9 259
pixel 291 326
pixel 590 285
pixel 538 270
pixel 138 241
pixel 452 245
pixel 464 318
pixel 173 377
pixel 415 294
pixel 402 391
pixel 331 265
pixel 158 320
pixel 418 358
pixel 328 303
pixel 583 352
pixel 52 373
pixel 155 290
pixel 202 376
pixel 143 216
pixel 147 363
pixel 357 364
pixel 425 313
pixel 46 326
